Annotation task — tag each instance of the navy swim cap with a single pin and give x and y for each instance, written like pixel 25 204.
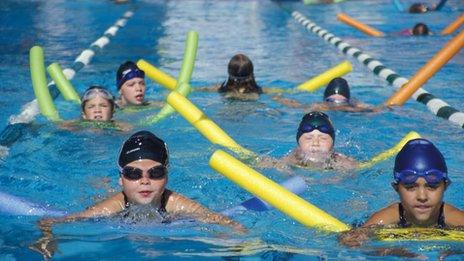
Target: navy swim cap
pixel 420 156
pixel 337 86
pixel 128 71
pixel 143 145
pixel 315 120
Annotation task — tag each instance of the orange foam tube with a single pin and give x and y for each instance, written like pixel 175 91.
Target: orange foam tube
pixel 453 26
pixel 451 48
pixel 358 25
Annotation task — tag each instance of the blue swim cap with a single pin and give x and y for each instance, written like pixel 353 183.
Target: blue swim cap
pixel 337 86
pixel 420 157
pixel 315 120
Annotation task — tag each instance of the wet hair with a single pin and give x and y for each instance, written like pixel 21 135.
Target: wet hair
pixel 339 86
pixel 418 8
pixel 94 91
pixel 127 71
pixel 420 29
pixel 241 78
pixel 143 145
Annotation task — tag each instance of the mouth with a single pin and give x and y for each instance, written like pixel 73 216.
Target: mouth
pixel 145 193
pixel 422 208
pixel 139 97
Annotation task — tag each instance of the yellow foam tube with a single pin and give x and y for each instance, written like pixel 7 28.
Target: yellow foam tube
pixel 454 25
pixel 65 87
pixel 202 123
pixel 358 25
pixel 39 83
pixel 325 77
pixel 157 75
pixel 271 192
pixel 390 152
pixel 419 234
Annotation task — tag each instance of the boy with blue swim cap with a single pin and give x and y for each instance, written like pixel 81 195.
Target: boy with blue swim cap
pixel 315 138
pixel 420 179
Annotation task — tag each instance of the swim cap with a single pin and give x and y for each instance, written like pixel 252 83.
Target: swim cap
pixel 337 86
pixel 315 120
pixel 128 71
pixel 143 145
pixel 420 156
pixel 94 91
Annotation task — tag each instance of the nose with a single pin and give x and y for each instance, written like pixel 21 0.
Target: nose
pixel 144 180
pixel 315 141
pixel 138 87
pixel 421 194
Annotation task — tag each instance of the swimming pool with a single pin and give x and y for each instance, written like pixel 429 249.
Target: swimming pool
pixel 65 169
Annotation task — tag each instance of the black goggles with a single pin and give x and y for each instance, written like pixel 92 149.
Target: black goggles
pixel 132 173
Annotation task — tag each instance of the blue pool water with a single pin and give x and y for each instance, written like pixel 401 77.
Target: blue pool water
pixel 72 170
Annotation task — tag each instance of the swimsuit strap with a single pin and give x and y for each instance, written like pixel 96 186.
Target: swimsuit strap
pixel 164 201
pixel 126 202
pixel 402 222
pixel 441 217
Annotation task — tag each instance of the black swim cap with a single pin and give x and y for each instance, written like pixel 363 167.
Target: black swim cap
pixel 315 120
pixel 337 86
pixel 420 155
pixel 127 71
pixel 143 145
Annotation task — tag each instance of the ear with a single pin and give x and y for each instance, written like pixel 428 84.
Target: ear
pixel 394 186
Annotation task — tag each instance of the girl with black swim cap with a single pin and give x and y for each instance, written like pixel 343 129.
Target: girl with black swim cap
pixel 143 174
pixel 337 97
pixel 420 178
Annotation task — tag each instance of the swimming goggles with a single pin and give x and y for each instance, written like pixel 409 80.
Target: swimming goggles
pixel 337 101
pixel 95 91
pixel 322 128
pixel 432 176
pixel 130 74
pixel 134 174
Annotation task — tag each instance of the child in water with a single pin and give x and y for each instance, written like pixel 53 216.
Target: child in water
pixel 143 174
pixel 337 97
pixel 420 179
pixel 98 107
pixel 130 81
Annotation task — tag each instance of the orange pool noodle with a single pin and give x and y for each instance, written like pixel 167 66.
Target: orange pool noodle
pixel 428 70
pixel 358 25
pixel 453 26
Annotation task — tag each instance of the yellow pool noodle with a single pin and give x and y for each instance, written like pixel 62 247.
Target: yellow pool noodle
pixel 419 234
pixel 390 152
pixel 325 77
pixel 202 123
pixel 65 87
pixel 157 75
pixel 271 192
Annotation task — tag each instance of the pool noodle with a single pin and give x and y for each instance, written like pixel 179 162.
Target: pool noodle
pixel 358 25
pixel 390 152
pixel 440 5
pixel 451 48
pixel 269 191
pixel 418 234
pixel 183 80
pixel 157 75
pixel 65 87
pixel 325 77
pixel 203 124
pixel 13 205
pixel 453 26
pixel 399 5
pixel 39 83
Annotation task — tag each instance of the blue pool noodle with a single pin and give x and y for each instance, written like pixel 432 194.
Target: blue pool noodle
pixel 399 5
pixel 12 205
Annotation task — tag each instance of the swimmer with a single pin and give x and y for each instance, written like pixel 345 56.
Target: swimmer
pixel 420 179
pixel 419 8
pixel 97 106
pixel 336 98
pixel 315 139
pixel 241 82
pixel 130 81
pixel 143 174
pixel 419 29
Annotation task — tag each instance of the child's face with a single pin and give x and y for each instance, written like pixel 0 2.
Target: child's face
pixel 98 109
pixel 421 201
pixel 133 91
